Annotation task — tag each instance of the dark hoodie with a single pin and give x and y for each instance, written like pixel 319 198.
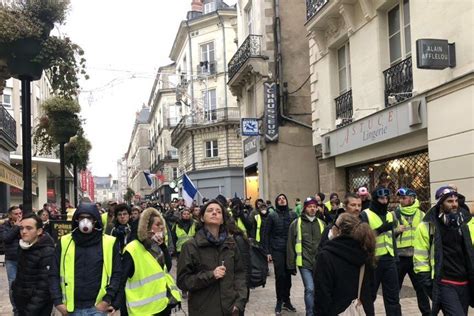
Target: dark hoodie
pixel 336 277
pixel 88 264
pixel 275 235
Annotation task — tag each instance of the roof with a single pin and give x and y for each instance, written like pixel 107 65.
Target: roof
pixel 142 117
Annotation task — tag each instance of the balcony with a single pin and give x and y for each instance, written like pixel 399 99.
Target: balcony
pixel 313 7
pixel 344 110
pixel 205 119
pixel 248 58
pixel 398 82
pixel 7 130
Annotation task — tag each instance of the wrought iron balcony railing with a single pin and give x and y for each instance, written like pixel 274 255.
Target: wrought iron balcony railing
pixel 7 124
pixel 398 82
pixel 251 47
pixel 344 110
pixel 313 7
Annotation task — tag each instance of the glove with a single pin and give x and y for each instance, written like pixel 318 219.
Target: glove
pixel 292 271
pixel 384 228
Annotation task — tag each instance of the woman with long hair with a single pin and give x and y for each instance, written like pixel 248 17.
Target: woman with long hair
pixel 338 266
pixel 210 267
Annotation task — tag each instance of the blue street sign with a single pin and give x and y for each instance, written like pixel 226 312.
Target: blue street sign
pixel 249 127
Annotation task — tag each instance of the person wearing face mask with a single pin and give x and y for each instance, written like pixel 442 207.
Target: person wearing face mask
pixel 238 214
pixel 259 221
pixel 211 267
pixel 444 254
pixel 382 222
pixel 183 230
pixel 148 288
pixel 303 239
pixel 409 216
pixel 31 288
pixel 275 238
pixel 85 275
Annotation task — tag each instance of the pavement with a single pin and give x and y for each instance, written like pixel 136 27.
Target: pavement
pixel 262 300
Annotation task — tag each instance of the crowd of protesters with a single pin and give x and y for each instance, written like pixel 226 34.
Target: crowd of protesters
pixel 119 257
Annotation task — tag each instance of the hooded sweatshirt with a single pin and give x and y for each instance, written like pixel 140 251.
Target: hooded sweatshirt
pixel 336 277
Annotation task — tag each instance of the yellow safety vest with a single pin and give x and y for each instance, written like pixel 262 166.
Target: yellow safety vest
pixel 384 241
pixel 239 223
pixel 146 291
pixel 406 238
pixel 104 218
pixel 67 268
pixel 328 205
pixel 258 219
pixel 298 244
pixel 183 236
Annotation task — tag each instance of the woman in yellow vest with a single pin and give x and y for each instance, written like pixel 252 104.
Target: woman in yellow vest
pixel 183 230
pixel 211 268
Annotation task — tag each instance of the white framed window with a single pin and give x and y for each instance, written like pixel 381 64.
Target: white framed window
pixel 209 7
pixel 399 37
pixel 249 18
pixel 6 99
pixel 212 149
pixel 210 105
pixel 344 68
pixel 207 52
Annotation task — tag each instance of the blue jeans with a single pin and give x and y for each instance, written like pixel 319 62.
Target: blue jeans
pixel 11 267
pixel 92 311
pixel 308 282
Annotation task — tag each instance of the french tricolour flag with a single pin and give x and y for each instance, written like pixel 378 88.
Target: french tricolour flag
pixel 189 191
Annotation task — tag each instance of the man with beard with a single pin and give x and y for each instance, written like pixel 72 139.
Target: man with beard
pixel 382 222
pixel 275 240
pixel 183 230
pixel 259 221
pixel 444 254
pixel 84 277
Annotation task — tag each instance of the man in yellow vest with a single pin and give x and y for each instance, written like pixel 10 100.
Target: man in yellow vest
pixel 409 216
pixel 444 254
pixel 238 214
pixel 183 230
pixel 258 219
pixel 85 274
pixel 108 217
pixel 303 239
pixel 382 222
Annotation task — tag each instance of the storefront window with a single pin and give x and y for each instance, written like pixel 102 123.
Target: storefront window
pixel 410 171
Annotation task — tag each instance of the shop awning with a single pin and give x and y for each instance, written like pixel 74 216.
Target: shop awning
pixel 13 177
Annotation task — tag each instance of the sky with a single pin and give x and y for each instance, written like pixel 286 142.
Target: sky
pixel 125 42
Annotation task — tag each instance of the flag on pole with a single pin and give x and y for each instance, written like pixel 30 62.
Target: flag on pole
pixel 148 177
pixel 189 191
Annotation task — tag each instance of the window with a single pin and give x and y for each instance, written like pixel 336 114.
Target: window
pixel 209 7
pixel 210 105
pixel 344 68
pixel 248 18
pixel 175 173
pixel 207 58
pixel 7 100
pixel 212 150
pixel 399 37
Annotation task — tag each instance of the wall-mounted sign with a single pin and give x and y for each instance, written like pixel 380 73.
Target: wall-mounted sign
pixel 249 127
pixel 435 54
pixel 271 112
pixel 60 228
pixel 250 146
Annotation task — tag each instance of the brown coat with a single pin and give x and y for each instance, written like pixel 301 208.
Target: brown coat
pixel 208 296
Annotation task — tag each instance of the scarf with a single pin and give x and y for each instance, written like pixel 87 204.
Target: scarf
pixel 25 245
pixel 452 220
pixel 410 210
pixel 220 240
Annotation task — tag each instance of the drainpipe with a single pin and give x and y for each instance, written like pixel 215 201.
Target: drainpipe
pixel 279 67
pixel 190 64
pixel 227 144
pixel 192 149
pixel 225 56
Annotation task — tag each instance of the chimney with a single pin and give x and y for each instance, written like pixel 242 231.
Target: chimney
pixel 196 5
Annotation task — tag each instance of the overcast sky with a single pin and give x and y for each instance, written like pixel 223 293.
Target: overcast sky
pixel 125 42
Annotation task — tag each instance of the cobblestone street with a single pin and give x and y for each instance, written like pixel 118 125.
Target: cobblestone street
pixel 262 300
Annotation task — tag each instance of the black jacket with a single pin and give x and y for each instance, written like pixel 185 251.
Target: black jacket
pixel 88 267
pixel 275 234
pixel 31 286
pixel 336 277
pixel 10 234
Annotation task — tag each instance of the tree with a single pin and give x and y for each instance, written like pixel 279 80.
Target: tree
pixel 129 195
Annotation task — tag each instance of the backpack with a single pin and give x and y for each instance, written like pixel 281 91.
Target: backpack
pixel 258 266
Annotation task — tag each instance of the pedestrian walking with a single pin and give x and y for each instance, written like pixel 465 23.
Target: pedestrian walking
pixel 11 236
pixel 409 216
pixel 210 267
pixel 238 214
pixel 183 230
pixel 444 254
pixel 107 218
pixel 259 221
pixel 122 229
pixel 382 222
pixel 85 273
pixel 337 272
pixel 31 287
pixel 148 287
pixel 275 243
pixel 303 239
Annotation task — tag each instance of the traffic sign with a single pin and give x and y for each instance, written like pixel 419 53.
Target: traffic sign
pixel 249 127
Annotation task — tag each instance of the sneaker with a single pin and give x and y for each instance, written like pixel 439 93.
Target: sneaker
pixel 278 309
pixel 289 307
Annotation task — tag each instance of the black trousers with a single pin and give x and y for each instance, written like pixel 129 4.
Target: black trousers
pixel 454 299
pixel 405 266
pixel 387 274
pixel 282 277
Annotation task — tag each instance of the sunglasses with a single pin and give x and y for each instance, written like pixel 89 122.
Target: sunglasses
pixel 383 192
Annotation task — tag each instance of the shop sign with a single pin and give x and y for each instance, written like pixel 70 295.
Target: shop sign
pixel 11 176
pixel 249 127
pixel 383 125
pixel 250 146
pixel 60 228
pixel 271 112
pixel 435 54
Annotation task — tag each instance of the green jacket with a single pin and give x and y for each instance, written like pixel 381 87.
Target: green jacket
pixel 298 208
pixel 311 236
pixel 208 296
